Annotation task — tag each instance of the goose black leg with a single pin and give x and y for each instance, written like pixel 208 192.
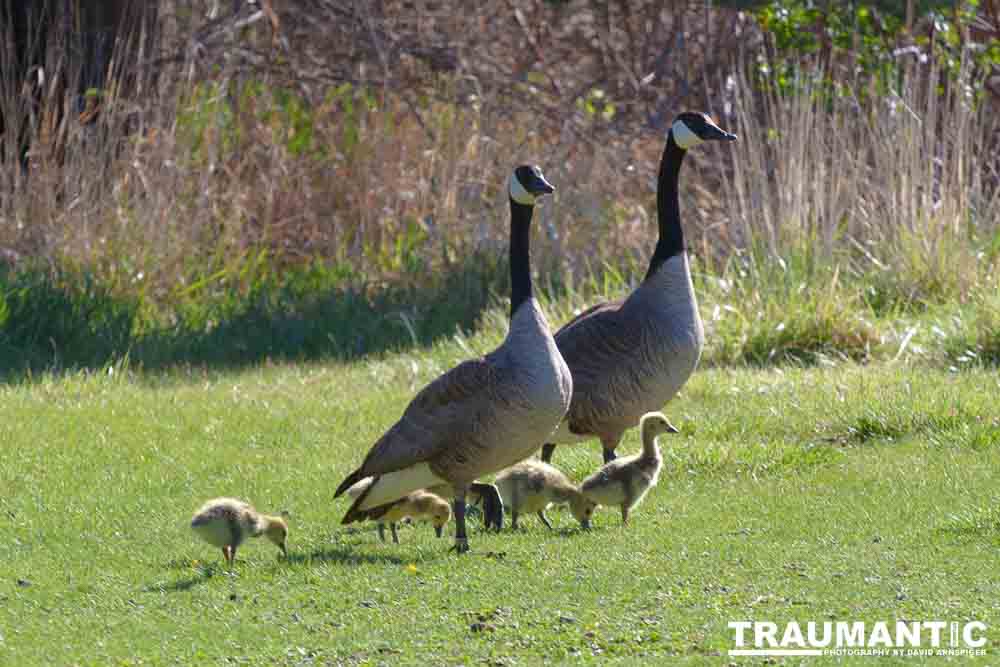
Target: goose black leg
pixel 513 519
pixel 545 520
pixel 392 528
pixel 381 531
pixel 461 540
pixel 492 504
pixel 547 450
pixel 609 455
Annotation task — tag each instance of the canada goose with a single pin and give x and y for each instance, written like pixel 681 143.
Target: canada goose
pixel 632 355
pixel 226 522
pixel 626 480
pixel 419 505
pixel 531 486
pixel 486 413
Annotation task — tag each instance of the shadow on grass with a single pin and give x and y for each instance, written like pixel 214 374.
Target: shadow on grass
pixel 344 555
pixel 203 575
pixel 58 322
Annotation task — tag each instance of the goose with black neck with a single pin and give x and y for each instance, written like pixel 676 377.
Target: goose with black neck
pixel 484 414
pixel 630 356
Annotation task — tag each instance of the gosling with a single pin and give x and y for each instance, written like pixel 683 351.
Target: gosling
pixel 418 506
pixel 625 481
pixel 226 522
pixel 531 486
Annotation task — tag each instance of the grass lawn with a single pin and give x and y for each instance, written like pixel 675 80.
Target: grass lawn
pixel 841 493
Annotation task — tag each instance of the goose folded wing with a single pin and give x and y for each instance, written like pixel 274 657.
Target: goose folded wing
pixel 442 415
pixel 594 346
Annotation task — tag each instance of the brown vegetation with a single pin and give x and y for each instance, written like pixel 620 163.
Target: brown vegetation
pixel 376 136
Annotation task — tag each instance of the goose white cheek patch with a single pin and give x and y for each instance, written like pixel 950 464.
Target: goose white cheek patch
pixel 683 136
pixel 518 193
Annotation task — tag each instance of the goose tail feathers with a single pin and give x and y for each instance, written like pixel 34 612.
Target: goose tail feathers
pixel 355 513
pixel 350 481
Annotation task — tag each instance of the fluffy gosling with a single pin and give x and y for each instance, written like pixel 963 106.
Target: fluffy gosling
pixel 625 481
pixel 226 522
pixel 531 486
pixel 418 506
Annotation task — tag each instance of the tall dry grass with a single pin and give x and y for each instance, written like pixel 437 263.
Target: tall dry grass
pixel 902 185
pixel 207 190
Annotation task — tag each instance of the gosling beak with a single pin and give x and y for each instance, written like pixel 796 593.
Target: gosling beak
pixel 439 530
pixel 672 429
pixel 284 551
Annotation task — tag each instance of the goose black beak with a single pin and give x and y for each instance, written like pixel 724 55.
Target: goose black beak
pixel 716 133
pixel 544 187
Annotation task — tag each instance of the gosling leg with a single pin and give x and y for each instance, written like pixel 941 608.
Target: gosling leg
pixel 395 538
pixel 513 519
pixel 624 515
pixel 381 531
pixel 541 515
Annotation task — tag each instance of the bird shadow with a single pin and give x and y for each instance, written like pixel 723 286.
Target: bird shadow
pixel 344 555
pixel 186 583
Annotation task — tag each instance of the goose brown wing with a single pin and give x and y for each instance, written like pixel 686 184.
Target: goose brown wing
pixel 594 311
pixel 594 345
pixel 443 414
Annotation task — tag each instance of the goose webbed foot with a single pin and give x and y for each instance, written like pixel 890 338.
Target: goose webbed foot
pixel 609 455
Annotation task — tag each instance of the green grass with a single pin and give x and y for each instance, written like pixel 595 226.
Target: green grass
pixel 824 493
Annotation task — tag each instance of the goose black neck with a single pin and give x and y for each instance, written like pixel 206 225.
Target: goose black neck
pixel 520 254
pixel 671 241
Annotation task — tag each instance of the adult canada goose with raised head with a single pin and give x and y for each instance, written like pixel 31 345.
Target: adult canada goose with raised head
pixel 484 414
pixel 632 355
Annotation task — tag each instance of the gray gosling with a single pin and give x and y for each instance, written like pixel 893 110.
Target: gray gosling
pixel 625 481
pixel 418 506
pixel 226 522
pixel 532 486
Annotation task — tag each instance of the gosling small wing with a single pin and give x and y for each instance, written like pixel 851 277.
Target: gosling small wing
pixel 607 485
pixel 443 414
pixel 222 509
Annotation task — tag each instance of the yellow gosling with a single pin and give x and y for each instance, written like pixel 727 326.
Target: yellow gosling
pixel 419 505
pixel 226 522
pixel 625 481
pixel 531 486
